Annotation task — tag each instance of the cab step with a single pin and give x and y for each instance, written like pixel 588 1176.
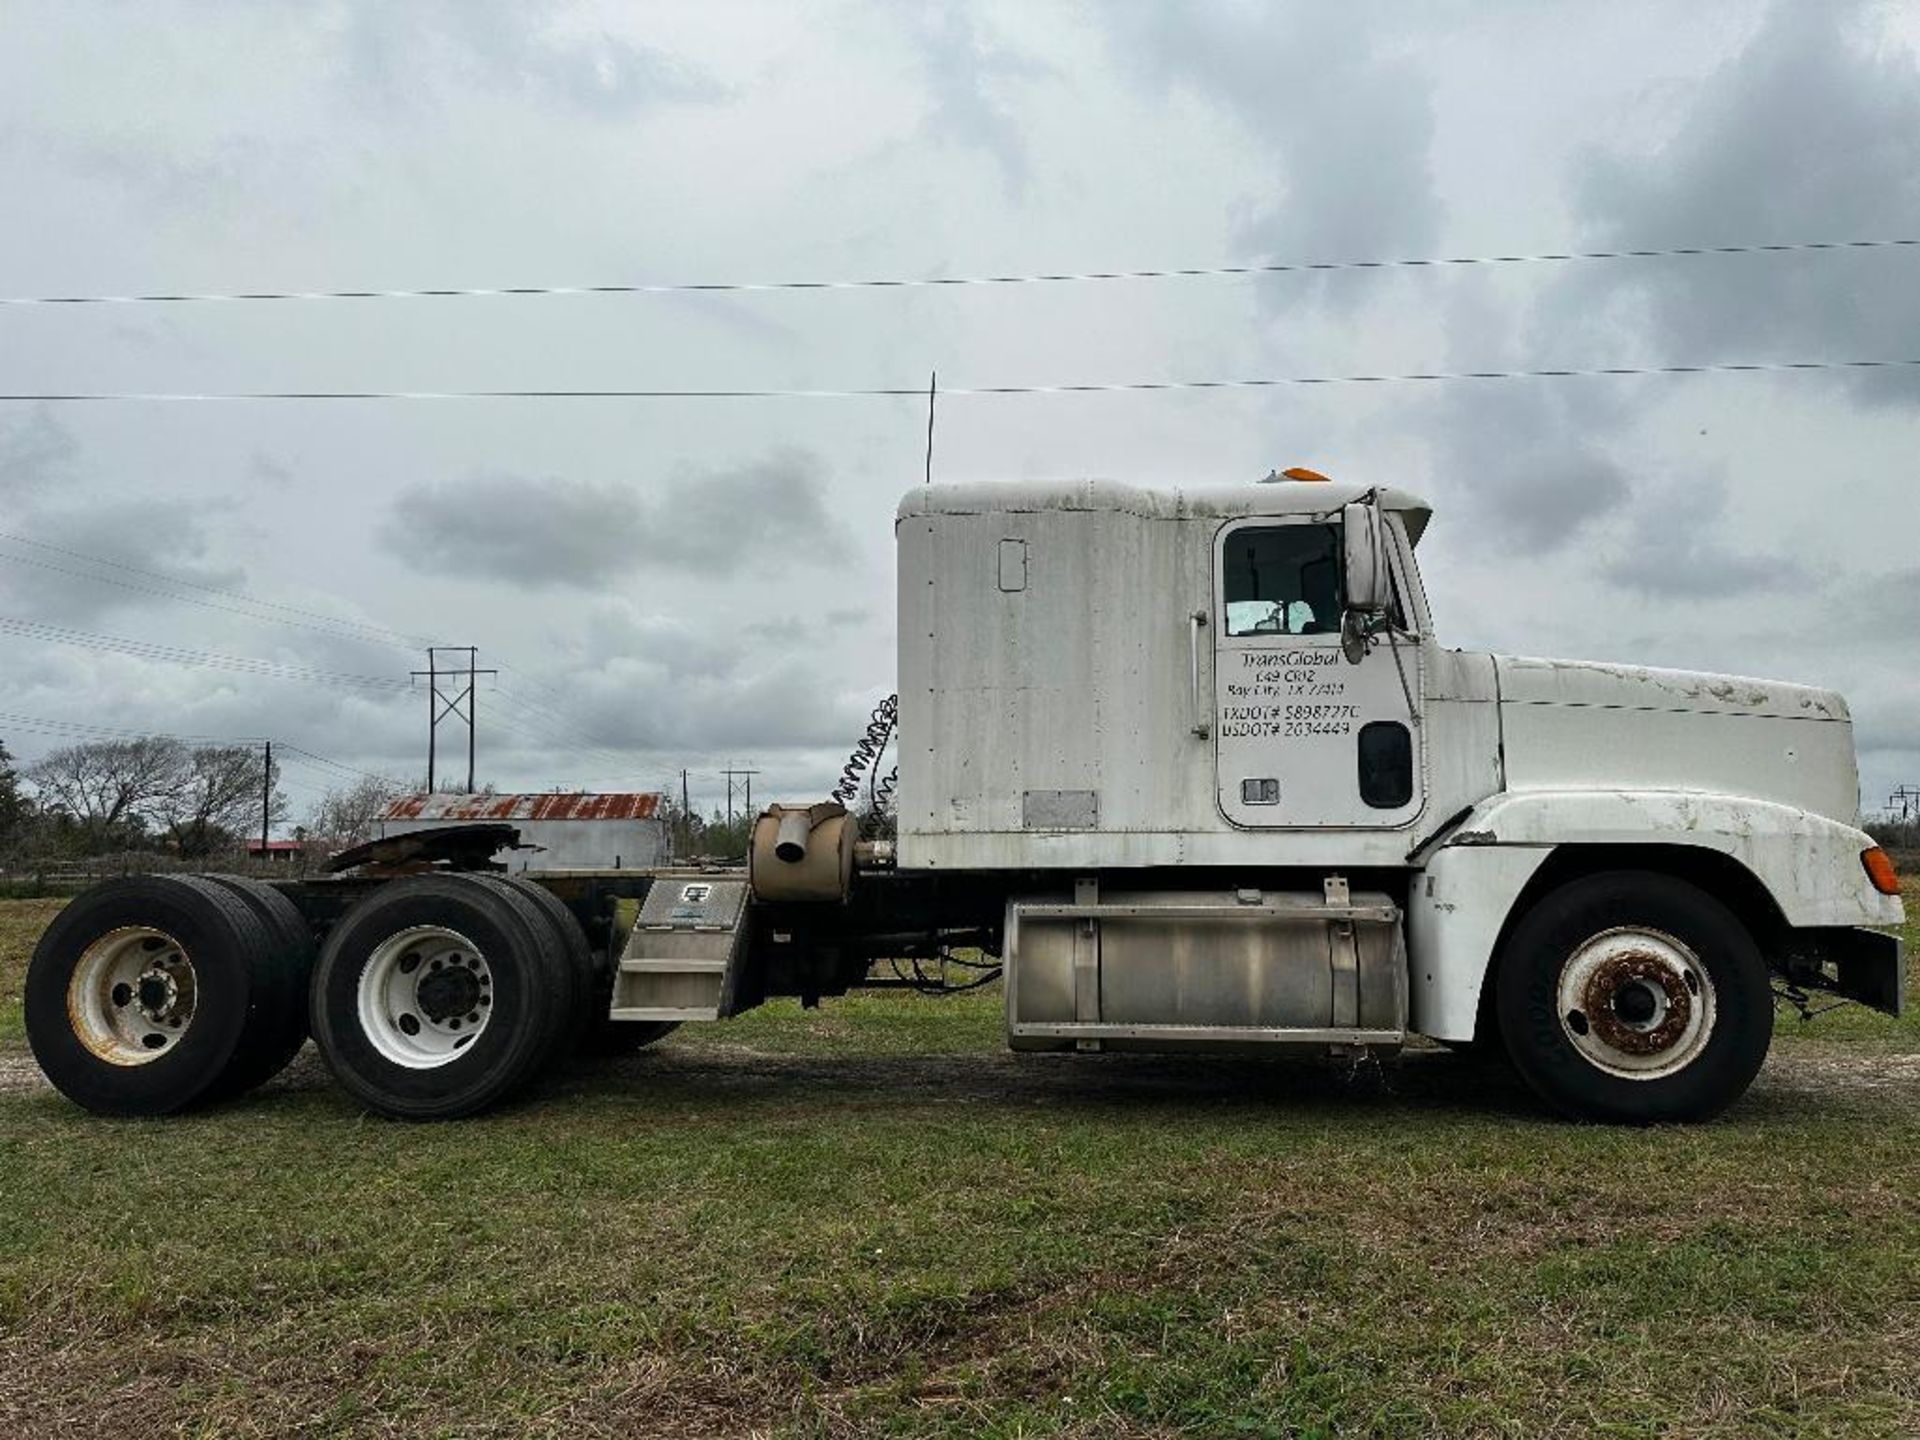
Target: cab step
pixel 682 960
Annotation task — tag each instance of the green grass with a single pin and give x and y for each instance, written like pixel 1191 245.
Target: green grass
pixel 21 922
pixel 869 1220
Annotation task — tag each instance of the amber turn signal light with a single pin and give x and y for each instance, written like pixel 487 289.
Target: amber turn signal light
pixel 1880 870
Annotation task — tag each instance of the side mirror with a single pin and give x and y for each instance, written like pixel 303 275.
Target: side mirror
pixel 1369 593
pixel 1368 589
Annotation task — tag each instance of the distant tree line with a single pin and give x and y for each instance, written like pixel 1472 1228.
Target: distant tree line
pixel 146 793
pixel 162 796
pixel 1900 836
pixel 708 837
pixel 154 794
pixel 715 837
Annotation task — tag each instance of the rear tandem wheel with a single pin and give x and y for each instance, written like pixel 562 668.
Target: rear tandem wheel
pixel 594 1033
pixel 148 993
pixel 440 995
pixel 281 1029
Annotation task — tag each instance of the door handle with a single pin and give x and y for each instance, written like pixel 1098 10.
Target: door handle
pixel 1202 717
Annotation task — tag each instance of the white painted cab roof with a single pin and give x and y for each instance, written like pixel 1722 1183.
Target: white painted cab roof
pixel 1225 502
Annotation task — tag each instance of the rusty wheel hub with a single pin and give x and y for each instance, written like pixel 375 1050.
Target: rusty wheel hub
pixel 132 995
pixel 1636 1003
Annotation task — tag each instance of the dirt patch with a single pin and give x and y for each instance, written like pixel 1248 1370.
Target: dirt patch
pixel 1838 1071
pixel 18 1073
pixel 1418 1078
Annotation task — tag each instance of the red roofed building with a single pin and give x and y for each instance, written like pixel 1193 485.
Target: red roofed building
pixel 285 851
pixel 576 831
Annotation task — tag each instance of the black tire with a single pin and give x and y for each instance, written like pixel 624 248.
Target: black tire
pixel 530 998
pixel 1542 1042
pixel 612 1038
pixel 593 1034
pixel 289 969
pixel 226 946
pixel 607 1038
pixel 583 970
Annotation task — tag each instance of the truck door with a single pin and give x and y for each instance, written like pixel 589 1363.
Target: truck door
pixel 1304 739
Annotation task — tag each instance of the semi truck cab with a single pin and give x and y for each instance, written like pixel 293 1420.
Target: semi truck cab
pixel 1208 711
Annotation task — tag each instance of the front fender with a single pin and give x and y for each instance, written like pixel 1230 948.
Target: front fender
pixel 1809 864
pixel 1473 878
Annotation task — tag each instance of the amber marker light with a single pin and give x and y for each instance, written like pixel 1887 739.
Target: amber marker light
pixel 1880 870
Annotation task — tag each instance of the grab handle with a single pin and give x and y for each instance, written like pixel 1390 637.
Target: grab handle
pixel 1202 716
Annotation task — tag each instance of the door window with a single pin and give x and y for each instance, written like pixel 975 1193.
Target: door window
pixel 1282 580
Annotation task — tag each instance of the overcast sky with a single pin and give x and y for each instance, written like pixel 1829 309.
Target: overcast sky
pixel 695 583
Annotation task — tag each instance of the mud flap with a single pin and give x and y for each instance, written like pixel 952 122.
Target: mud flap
pixel 1869 966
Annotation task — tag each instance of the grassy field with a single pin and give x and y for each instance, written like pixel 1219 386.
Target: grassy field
pixel 870 1220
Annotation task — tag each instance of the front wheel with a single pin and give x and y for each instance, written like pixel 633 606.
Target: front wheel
pixel 1634 997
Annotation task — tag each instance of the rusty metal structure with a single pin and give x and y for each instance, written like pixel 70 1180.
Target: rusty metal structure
pixel 559 831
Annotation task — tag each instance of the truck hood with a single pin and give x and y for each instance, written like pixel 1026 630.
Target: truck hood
pixel 1575 724
pixel 1528 681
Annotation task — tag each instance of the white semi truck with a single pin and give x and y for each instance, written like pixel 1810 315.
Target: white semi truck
pixel 1191 766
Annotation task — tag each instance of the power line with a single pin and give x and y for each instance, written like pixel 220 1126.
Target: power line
pixel 929 282
pixel 316 621
pixel 1272 382
pixel 544 742
pixel 173 654
pixel 75 729
pixel 374 636
pixel 78 728
pixel 409 641
pixel 574 739
pixel 377 634
pixel 337 765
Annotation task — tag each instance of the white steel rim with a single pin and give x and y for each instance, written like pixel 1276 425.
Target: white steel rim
pixel 425 995
pixel 1637 1003
pixel 132 995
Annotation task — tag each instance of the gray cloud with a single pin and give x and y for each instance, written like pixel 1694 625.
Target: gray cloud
pixel 40 475
pixel 1530 461
pixel 1349 122
pixel 1534 462
pixel 264 469
pixel 1674 548
pixel 583 533
pixel 348 64
pixel 1812 132
pixel 405 53
pixel 968 76
pixel 645 682
pixel 35 452
pixel 1805 133
pixel 162 537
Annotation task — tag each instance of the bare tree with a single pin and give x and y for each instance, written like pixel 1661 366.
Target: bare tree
pixel 220 797
pixel 345 817
pixel 15 813
pixel 111 789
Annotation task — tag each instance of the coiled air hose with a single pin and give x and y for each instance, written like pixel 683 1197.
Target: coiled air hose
pixel 865 760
